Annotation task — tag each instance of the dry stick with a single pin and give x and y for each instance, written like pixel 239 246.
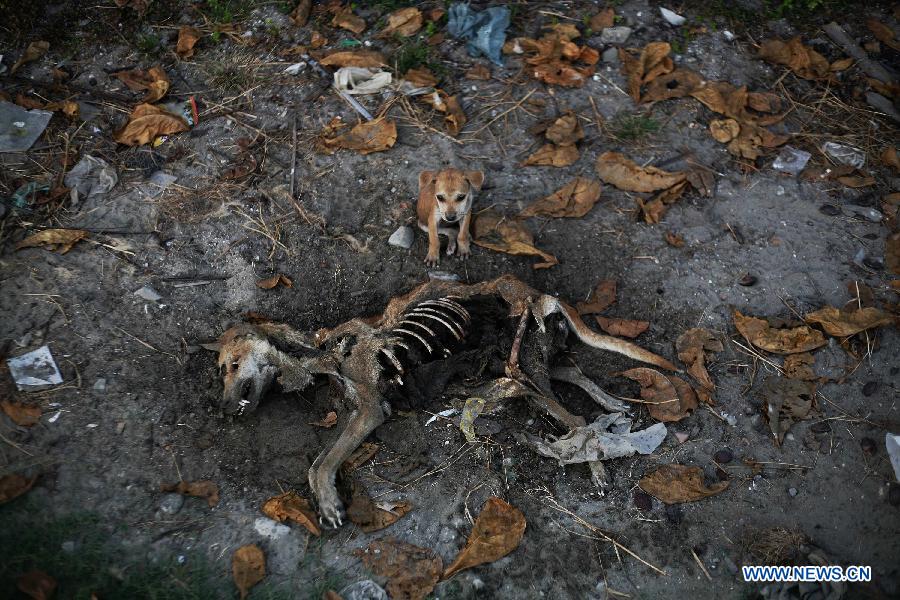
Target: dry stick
pixel 143 343
pixel 294 156
pixel 504 113
pixel 699 562
pixel 512 366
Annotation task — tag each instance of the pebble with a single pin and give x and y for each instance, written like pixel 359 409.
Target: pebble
pixel 270 529
pixel 870 388
pixel 68 546
pixel 876 264
pixel 171 504
pixel 100 385
pixel 723 456
pixel 402 238
pixel 747 280
pixel 792 491
pixel 148 293
pixel 830 210
pixel 615 35
pixel 681 437
pixel 868 446
pixel 643 501
pixel 611 56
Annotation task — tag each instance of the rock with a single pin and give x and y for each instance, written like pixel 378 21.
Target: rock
pixel 792 491
pixel 672 17
pixel 615 35
pixel 748 280
pixel 68 546
pixel 148 293
pixel 100 385
pixel 681 437
pixel 270 529
pixel 363 590
pixel 402 238
pixel 611 56
pixel 171 504
pixel 723 456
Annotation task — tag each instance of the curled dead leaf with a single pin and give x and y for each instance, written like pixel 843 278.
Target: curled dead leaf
pixel 358 58
pixel 889 158
pixel 616 169
pixel 187 39
pixel 300 14
pixel 673 484
pixel 841 64
pixel 199 489
pixel 780 341
pixel 289 506
pixel 561 73
pixel 14 485
pixel 66 107
pixel 603 19
pixel 785 402
pixel 146 123
pixel 653 210
pixel 60 240
pixel 802 60
pixel 498 531
pixel 329 421
pixel 440 100
pixel 843 323
pixel 622 327
pixel 565 130
pixel 154 80
pixel 892 253
pixel 34 51
pixel 800 366
pixel 248 567
pixel 551 155
pixel 421 77
pixel 674 239
pixel 883 33
pixel 37 585
pixel 24 415
pixel 345 19
pixel 369 516
pixel 692 347
pixel 270 282
pixel 575 199
pixel 652 62
pixel 724 130
pixel 478 72
pixel 403 22
pixel 411 571
pixel 668 398
pixel 602 297
pixel 677 84
pixel 377 135
pixel 502 234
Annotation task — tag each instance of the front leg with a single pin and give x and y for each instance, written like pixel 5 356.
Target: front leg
pixel 433 258
pixel 463 237
pixel 363 421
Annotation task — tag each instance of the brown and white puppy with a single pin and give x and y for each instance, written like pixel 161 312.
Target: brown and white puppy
pixel 445 208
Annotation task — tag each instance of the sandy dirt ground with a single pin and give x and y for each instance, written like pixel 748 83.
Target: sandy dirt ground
pixel 139 402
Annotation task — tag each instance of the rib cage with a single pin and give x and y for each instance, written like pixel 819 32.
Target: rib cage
pixel 427 331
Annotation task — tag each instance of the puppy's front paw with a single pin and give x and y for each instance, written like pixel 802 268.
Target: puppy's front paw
pixel 464 250
pixel 331 511
pixel 432 259
pixel 451 246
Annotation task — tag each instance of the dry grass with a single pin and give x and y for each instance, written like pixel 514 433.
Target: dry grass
pixel 773 546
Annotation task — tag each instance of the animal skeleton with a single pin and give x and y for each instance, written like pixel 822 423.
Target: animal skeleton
pixel 369 356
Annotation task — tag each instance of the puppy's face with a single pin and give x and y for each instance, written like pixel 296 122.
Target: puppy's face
pixel 247 369
pixel 454 191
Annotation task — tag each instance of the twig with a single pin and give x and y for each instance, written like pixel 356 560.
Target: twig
pixel 700 562
pixel 143 343
pixel 294 157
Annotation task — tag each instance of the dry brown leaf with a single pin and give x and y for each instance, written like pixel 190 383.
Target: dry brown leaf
pixel 479 72
pixel 841 64
pixel 889 158
pixel 37 585
pixel 498 531
pixel 892 253
pixel 780 341
pixel 358 58
pixel 622 327
pixel 28 102
pixel 24 415
pixel 802 60
pixel 753 137
pixel 360 456
pixel 146 123
pixel 377 135
pixel 67 107
pixel 503 234
pixel 421 77
pixel 692 346
pixel 271 282
pixel 154 80
pixel 603 19
pixel 623 173
pixel 411 571
pixel 673 239
pixel 289 506
pixel 317 40
pixel 800 366
pixel 329 421
pixel 559 72
pixel 455 118
pixel 673 484
pixel 60 240
pixel 668 398
pixel 187 38
pixel 404 22
pixel 14 485
pixel 575 199
pixel 199 489
pixel 551 155
pixel 640 70
pixel 300 14
pixel 653 210
pixel 248 567
pixel 34 51
pixel 883 33
pixel 677 84
pixel 345 19
pixel 602 297
pixel 369 516
pixel 565 130
pixel 724 130
pixel 588 55
pixel 786 401
pixel 856 181
pixel 843 323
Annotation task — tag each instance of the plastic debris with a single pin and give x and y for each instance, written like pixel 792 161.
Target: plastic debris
pixel 359 80
pixel 444 413
pixel 442 276
pixel 295 68
pixel 363 590
pixel 791 160
pixel 34 370
pixel 471 410
pixel 673 18
pixel 485 31
pixel 892 442
pixel 845 155
pixel 20 197
pixel 157 183
pixel 610 436
pixel 20 128
pixel 90 178
pixel 148 293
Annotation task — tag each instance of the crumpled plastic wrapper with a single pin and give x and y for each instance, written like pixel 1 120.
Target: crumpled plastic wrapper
pixel 359 80
pixel 485 31
pixel 89 178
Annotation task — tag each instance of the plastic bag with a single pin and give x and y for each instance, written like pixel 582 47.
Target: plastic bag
pixel 485 31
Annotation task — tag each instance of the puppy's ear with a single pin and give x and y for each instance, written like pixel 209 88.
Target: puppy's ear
pixel 426 178
pixel 475 178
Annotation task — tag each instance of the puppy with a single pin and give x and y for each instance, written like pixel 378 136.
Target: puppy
pixel 445 207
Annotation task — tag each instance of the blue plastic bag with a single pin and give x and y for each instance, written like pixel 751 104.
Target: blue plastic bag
pixel 485 31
